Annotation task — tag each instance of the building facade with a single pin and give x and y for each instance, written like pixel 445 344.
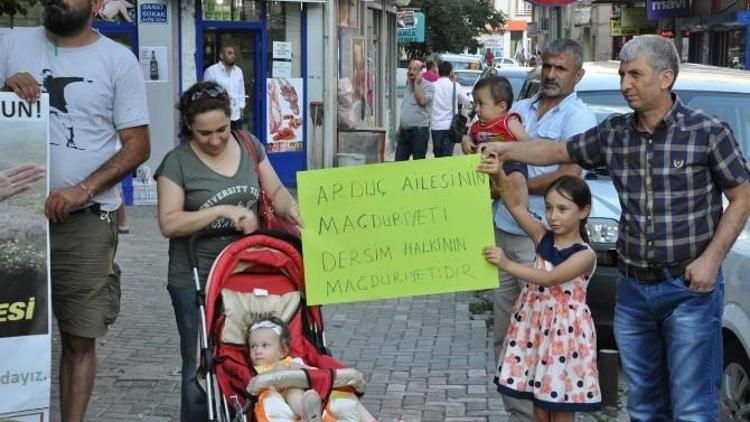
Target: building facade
pixel 704 31
pixel 300 60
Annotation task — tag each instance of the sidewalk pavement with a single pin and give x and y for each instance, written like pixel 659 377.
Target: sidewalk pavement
pixel 425 358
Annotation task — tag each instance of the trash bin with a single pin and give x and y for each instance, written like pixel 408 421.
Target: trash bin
pixel 346 159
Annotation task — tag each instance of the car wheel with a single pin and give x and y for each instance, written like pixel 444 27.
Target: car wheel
pixel 735 385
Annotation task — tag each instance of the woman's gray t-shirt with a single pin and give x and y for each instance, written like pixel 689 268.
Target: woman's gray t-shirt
pixel 205 188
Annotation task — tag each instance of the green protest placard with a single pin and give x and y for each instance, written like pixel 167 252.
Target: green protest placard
pixel 395 229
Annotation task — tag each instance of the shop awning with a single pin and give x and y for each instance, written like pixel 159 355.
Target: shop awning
pixel 516 25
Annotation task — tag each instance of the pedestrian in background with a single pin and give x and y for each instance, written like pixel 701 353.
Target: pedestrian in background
pixel 227 74
pixel 430 74
pixel 107 104
pixel 449 99
pixel 414 122
pixel 554 113
pixel 489 58
pixel 672 165
pixel 209 182
pixel 521 57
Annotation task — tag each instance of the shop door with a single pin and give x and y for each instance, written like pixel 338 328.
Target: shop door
pixel 247 52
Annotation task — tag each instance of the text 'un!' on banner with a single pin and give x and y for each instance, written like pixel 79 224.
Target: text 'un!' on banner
pixel 397 229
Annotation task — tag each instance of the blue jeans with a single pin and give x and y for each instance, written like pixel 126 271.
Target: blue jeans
pixel 193 405
pixel 442 144
pixel 671 349
pixel 412 142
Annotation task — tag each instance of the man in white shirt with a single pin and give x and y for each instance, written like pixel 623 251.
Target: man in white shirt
pixel 227 74
pixel 448 100
pixel 97 97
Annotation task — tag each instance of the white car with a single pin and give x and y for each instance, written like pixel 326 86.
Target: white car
pixel 466 79
pixel 504 62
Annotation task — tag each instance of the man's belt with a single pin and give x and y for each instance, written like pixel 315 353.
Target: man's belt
pixel 93 208
pixel 653 273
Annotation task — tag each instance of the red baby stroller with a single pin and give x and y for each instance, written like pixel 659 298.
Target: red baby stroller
pixel 255 277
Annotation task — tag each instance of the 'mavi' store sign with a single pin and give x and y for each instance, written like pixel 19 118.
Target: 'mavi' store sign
pixel 660 9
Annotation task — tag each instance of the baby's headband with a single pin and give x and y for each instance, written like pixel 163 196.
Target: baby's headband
pixel 276 328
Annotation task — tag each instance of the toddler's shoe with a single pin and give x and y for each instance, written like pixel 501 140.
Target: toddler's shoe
pixel 311 406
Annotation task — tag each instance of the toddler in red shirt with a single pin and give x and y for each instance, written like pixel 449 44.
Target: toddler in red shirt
pixel 493 97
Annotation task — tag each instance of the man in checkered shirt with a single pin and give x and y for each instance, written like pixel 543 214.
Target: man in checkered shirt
pixel 670 164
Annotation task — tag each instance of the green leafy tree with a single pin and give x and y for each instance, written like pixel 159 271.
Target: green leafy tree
pixel 16 7
pixel 453 24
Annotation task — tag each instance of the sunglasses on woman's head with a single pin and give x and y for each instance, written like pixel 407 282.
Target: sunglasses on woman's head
pixel 211 91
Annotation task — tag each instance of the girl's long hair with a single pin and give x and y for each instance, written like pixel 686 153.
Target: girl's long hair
pixel 575 189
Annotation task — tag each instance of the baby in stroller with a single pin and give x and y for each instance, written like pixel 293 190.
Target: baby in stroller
pixel 269 344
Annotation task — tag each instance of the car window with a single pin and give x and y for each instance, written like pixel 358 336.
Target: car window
pixel 732 107
pixel 516 82
pixel 604 103
pixel 467 78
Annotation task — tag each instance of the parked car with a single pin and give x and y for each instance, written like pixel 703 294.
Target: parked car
pixel 466 79
pixel 461 61
pixel 726 93
pixel 516 76
pixel 500 62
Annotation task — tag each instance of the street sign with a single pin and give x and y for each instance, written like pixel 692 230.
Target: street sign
pixel 660 9
pixel 410 26
pixel 153 13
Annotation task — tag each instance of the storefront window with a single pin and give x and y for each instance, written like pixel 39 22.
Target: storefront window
pixel 736 50
pixel 284 84
pixel 231 10
pixel 284 40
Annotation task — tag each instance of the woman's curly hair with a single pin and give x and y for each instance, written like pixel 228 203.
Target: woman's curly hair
pixel 200 98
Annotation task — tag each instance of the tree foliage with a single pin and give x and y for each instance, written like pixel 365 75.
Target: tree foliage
pixel 452 25
pixel 16 7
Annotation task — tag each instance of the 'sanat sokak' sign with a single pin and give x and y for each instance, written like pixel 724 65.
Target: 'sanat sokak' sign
pixel 395 230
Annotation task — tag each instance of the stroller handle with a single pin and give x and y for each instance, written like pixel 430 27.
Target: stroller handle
pixel 195 237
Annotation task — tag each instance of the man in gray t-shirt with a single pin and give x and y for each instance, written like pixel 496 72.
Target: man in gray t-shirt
pixel 414 122
pixel 97 96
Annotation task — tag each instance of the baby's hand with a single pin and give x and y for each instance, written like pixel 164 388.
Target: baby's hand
pixel 489 164
pixel 495 255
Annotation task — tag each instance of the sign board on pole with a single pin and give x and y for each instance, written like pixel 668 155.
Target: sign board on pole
pixel 410 26
pixel 25 351
pixel 396 229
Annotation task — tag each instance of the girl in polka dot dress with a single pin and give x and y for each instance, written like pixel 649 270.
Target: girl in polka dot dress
pixel 549 353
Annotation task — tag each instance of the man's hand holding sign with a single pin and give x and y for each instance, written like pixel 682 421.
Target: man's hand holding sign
pixel 395 229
